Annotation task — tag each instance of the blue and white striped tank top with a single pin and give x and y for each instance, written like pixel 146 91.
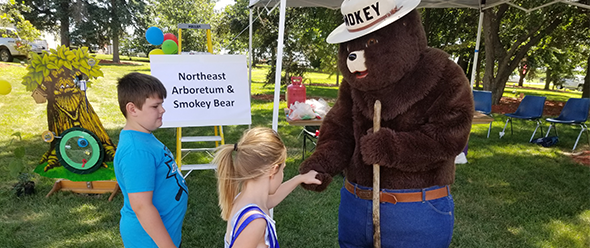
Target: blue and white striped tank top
pixel 270 236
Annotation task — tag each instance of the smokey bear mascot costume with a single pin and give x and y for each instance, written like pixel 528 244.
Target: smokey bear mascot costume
pixel 427 109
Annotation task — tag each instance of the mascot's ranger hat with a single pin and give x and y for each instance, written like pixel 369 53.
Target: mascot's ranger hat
pixel 365 16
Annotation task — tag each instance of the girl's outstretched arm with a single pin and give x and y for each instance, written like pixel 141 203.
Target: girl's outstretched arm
pixel 287 187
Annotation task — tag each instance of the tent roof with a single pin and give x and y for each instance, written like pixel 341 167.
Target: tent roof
pixel 474 4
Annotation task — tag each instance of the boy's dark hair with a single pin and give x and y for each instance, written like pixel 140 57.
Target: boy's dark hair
pixel 135 87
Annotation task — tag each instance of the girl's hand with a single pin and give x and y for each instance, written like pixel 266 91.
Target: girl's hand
pixel 310 178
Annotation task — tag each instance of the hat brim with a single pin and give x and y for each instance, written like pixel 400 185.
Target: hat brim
pixel 341 33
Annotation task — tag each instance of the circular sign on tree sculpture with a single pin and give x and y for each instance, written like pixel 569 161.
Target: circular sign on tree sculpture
pixel 79 151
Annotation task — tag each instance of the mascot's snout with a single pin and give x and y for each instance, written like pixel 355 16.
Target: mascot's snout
pixel 356 63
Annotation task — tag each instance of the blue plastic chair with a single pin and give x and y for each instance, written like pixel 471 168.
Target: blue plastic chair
pixel 575 112
pixel 483 104
pixel 530 109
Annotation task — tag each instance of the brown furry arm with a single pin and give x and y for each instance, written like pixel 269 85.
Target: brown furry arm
pixel 336 143
pixel 440 138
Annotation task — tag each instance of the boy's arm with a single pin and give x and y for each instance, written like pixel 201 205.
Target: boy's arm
pixel 149 217
pixel 287 187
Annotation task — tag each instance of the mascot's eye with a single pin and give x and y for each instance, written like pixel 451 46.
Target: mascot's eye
pixel 371 42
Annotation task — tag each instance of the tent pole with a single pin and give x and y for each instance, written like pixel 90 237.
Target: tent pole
pixel 476 52
pixel 250 58
pixel 275 110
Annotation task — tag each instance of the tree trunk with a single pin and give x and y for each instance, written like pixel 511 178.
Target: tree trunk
pixel 463 62
pixel 586 89
pixel 64 22
pixel 547 79
pixel 115 26
pixel 507 60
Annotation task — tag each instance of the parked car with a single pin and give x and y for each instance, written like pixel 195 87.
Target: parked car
pixel 575 83
pixel 8 44
pixel 514 78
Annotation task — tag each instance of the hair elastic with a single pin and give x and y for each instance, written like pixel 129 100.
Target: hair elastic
pixel 236 147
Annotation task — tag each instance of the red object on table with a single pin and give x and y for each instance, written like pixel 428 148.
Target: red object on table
pixel 295 91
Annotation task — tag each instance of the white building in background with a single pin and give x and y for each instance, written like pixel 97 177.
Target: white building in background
pixel 52 39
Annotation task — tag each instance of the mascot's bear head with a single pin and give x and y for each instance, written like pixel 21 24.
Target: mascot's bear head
pixel 380 42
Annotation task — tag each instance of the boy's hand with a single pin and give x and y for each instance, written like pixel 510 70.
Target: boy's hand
pixel 310 178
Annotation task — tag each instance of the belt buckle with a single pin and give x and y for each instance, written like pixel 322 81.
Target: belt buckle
pixel 388 194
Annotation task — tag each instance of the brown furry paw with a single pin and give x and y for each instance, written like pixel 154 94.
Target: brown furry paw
pixel 326 180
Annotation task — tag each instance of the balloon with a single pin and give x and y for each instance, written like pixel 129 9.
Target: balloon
pixel 154 36
pixel 156 52
pixel 169 36
pixel 5 87
pixel 169 47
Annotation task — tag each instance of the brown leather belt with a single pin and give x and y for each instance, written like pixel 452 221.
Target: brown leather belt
pixel 394 198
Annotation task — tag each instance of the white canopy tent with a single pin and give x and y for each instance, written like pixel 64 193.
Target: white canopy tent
pixel 335 4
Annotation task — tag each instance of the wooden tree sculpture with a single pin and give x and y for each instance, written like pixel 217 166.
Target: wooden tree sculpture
pixel 54 76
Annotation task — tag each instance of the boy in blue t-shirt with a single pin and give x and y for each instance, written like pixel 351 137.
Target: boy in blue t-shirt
pixel 154 190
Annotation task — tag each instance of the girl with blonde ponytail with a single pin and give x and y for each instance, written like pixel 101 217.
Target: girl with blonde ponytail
pixel 250 176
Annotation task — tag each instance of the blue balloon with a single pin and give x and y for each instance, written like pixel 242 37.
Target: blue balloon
pixel 154 36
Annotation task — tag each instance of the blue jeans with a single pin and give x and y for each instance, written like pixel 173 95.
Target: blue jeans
pixel 404 224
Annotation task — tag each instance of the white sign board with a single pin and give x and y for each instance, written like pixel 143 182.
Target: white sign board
pixel 203 90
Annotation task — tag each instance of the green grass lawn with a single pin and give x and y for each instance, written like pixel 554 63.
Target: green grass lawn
pixel 510 194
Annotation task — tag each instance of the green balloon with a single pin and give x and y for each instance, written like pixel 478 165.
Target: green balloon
pixel 169 47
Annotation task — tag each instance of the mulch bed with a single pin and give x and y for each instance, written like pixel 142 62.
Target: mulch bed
pixel 509 105
pixel 583 158
pixel 8 64
pixel 104 61
pixel 267 97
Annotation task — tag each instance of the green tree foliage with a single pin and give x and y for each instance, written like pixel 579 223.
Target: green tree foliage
pixel 42 66
pixel 54 15
pixel 89 23
pixel 123 14
pixel 134 42
pixel 170 13
pixel 92 30
pixel 305 44
pixel 12 14
pixel 510 33
pixel 454 31
pixel 564 50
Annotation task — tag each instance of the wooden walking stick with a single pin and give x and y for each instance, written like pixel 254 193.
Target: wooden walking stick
pixel 376 181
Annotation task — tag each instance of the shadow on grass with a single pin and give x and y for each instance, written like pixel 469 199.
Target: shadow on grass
pixel 522 194
pixel 510 194
pixel 121 65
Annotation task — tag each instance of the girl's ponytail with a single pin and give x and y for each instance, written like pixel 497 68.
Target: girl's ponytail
pixel 227 185
pixel 254 155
